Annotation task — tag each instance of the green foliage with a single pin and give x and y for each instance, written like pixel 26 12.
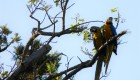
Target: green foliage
pixel 16 38
pixel 78 21
pixel 45 7
pixel 56 2
pixel 116 19
pixel 86 36
pixel 4 74
pixel 74 26
pixel 114 10
pixel 36 44
pixel 81 20
pixel 51 66
pixel 33 1
pixel 5 30
pixel 94 50
pixel 18 49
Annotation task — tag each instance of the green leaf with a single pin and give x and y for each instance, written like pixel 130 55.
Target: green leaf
pixel 18 49
pixel 116 19
pixel 5 30
pixel 17 38
pixel 45 7
pixel 82 20
pixel 56 2
pixel 114 10
pixel 32 1
pixel 73 26
pixel 5 73
pixel 86 35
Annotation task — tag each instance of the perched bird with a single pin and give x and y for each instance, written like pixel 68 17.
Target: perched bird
pixel 108 32
pixel 98 42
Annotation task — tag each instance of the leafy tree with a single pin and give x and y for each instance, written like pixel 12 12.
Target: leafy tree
pixel 34 59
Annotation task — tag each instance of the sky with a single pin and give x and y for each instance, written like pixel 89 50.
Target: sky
pixel 124 66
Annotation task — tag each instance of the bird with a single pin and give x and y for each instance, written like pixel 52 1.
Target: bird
pixel 98 41
pixel 108 31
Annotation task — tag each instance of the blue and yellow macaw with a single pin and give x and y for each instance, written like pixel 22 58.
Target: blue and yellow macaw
pixel 108 32
pixel 98 42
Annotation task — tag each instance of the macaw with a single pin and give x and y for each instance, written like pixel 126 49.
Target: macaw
pixel 108 32
pixel 98 42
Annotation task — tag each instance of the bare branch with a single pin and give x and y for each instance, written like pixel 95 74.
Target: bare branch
pixel 87 52
pixel 43 19
pixel 3 49
pixel 49 25
pixel 36 20
pixel 12 69
pixel 64 13
pixel 118 20
pixel 58 34
pixel 67 31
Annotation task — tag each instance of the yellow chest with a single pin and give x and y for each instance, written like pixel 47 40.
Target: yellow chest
pixel 107 32
pixel 98 40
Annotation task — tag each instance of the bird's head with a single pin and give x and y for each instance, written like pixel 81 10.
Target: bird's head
pixel 94 29
pixel 109 20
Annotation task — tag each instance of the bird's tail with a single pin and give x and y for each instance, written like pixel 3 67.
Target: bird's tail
pixel 108 56
pixel 99 67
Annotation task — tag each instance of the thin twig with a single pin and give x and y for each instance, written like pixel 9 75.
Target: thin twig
pixel 36 20
pixel 61 11
pixel 80 59
pixel 64 13
pixel 105 75
pixel 12 69
pixel 43 19
pixel 49 25
pixel 118 20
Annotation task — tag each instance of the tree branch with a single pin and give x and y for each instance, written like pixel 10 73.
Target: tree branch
pixel 118 20
pixel 73 70
pixel 3 49
pixel 33 58
pixel 67 31
pixel 64 14
pixel 58 34
pixel 28 45
pixel 93 60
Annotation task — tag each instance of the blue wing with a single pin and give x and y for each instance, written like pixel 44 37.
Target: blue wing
pixel 113 30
